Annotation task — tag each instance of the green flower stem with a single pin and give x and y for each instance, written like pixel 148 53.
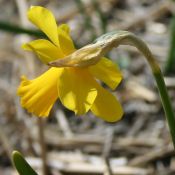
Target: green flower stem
pixel 170 61
pixel 166 104
pixel 170 116
pixel 20 30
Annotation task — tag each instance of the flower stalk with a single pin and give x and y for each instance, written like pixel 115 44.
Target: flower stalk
pixel 92 53
pixel 169 113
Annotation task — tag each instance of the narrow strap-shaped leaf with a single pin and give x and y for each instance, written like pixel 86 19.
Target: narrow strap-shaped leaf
pixel 21 164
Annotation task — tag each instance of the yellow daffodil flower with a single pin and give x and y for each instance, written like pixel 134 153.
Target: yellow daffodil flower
pixel 76 87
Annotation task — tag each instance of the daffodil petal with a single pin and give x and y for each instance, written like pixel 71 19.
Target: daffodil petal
pixel 65 42
pixel 39 95
pixel 106 71
pixel 65 28
pixel 76 90
pixel 106 106
pixel 45 50
pixel 44 20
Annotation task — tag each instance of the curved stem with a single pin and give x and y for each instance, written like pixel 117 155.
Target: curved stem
pixel 160 83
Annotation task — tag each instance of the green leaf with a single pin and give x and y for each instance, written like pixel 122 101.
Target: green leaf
pixel 21 164
pixel 170 62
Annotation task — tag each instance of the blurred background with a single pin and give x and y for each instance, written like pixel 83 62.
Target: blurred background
pixel 140 143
